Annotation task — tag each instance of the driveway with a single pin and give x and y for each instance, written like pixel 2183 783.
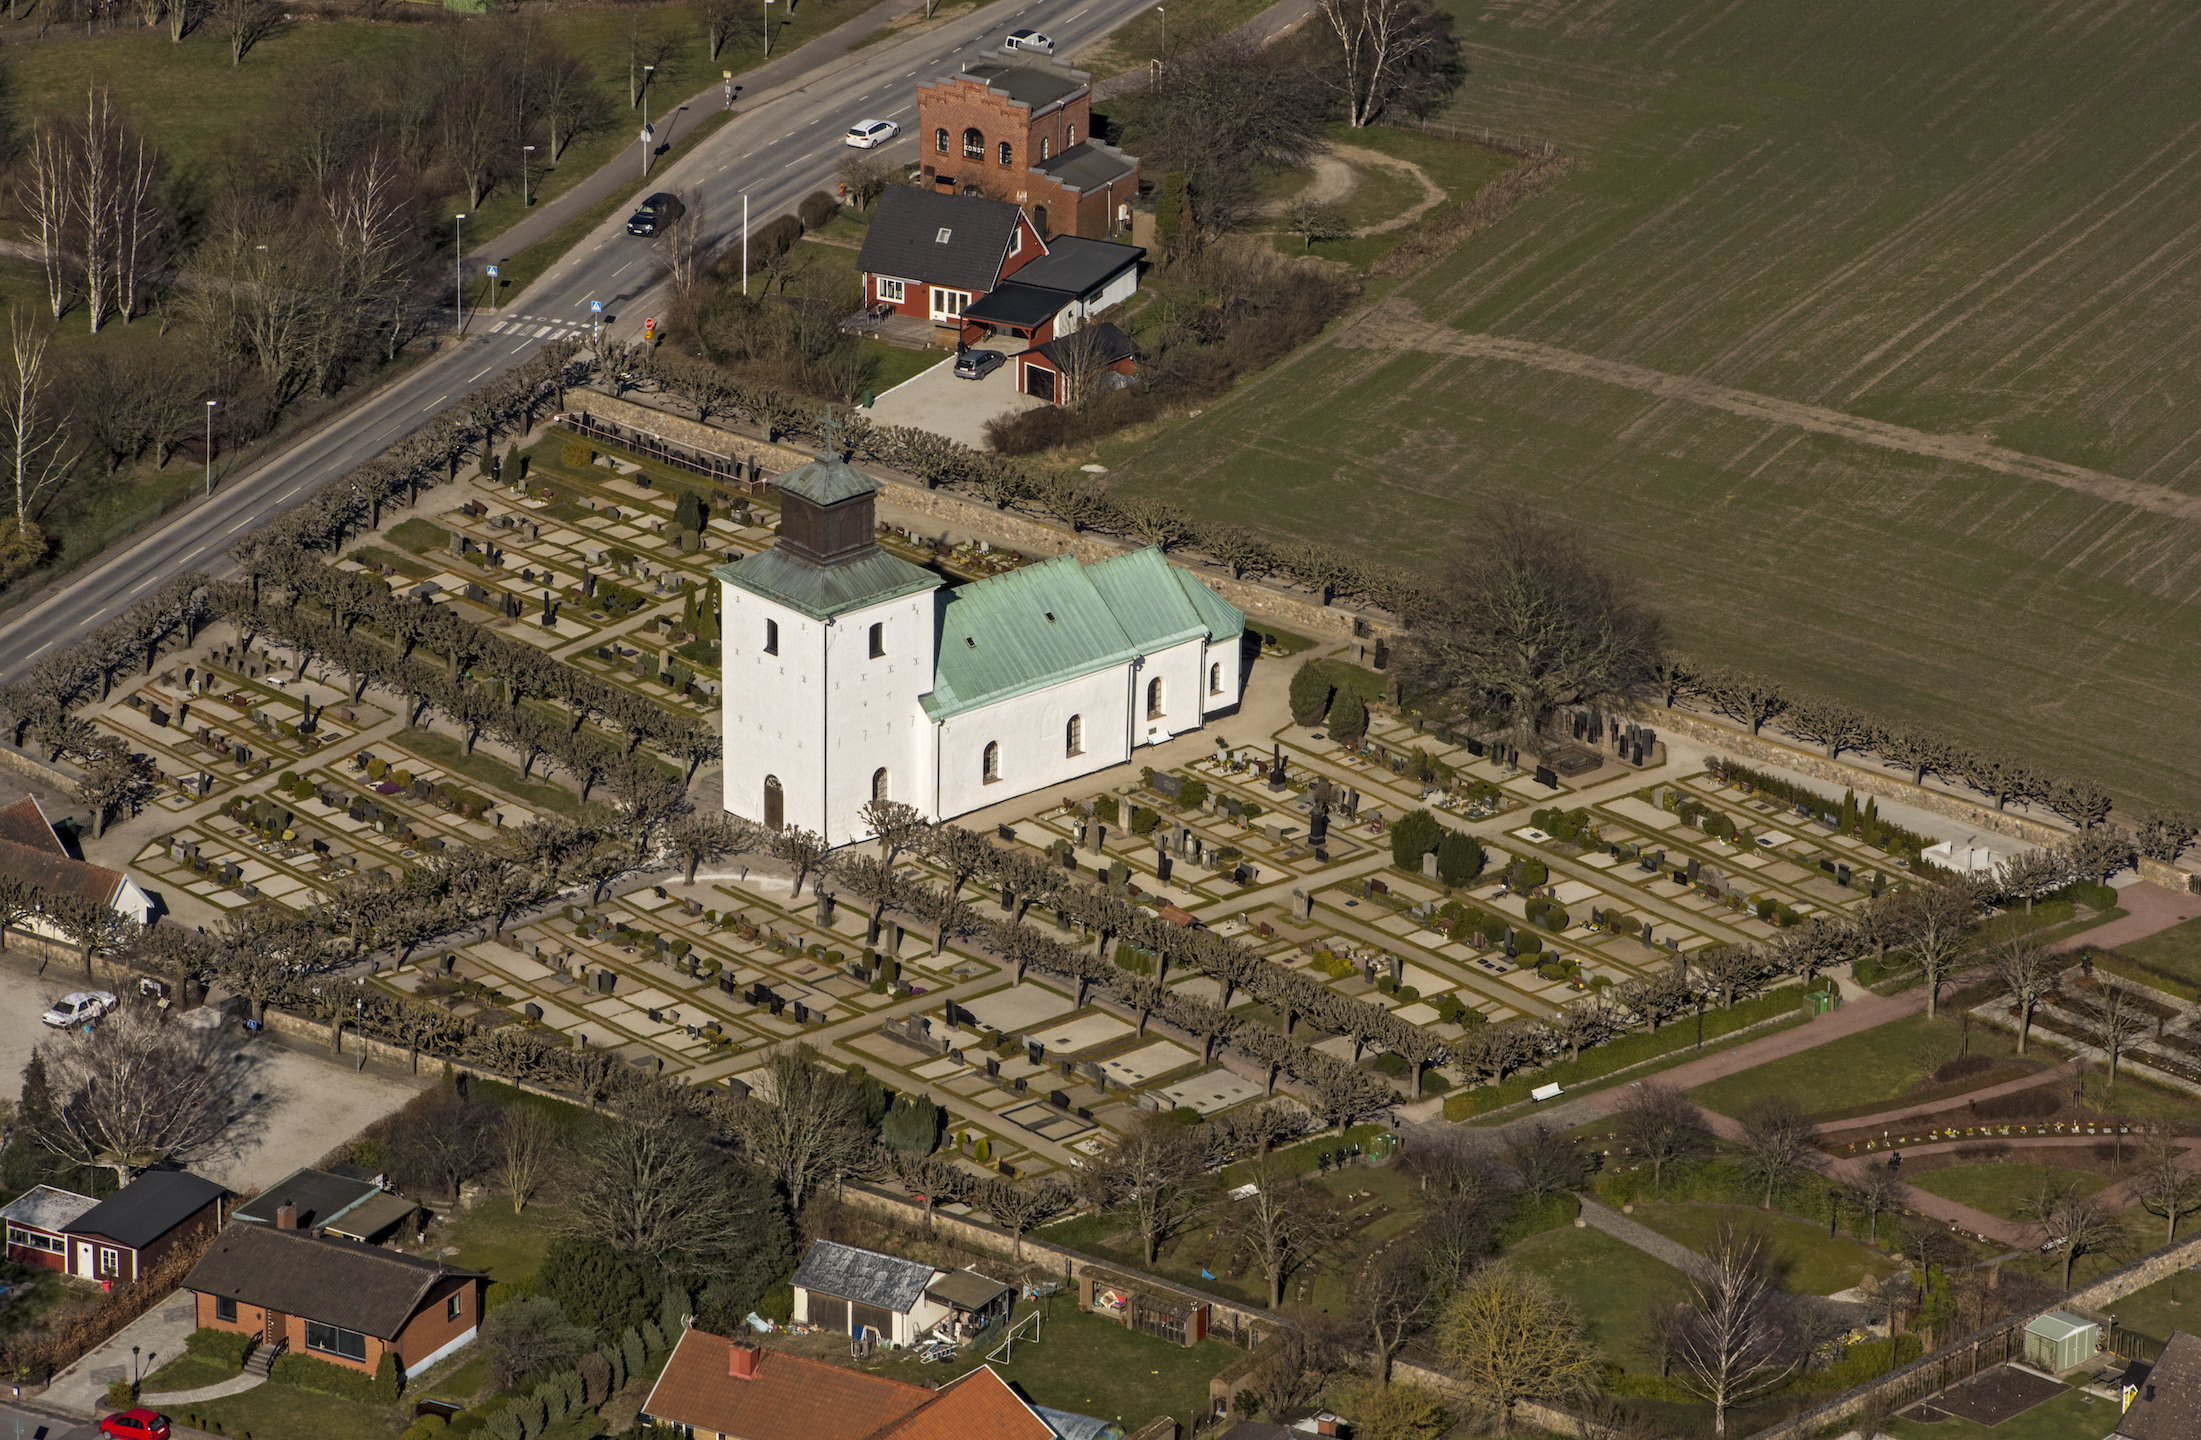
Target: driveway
pixel 959 409
pixel 158 1335
pixel 295 1101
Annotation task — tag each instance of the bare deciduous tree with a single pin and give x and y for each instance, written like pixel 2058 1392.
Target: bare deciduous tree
pixel 1934 919
pixel 2121 1018
pixel 1775 1145
pixel 2025 971
pixel 1386 52
pixel 652 1187
pixel 1664 1127
pixel 2165 1187
pixel 1394 1302
pixel 1545 1162
pixel 136 1092
pixel 1510 1338
pixel 1283 1224
pixel 1736 1340
pixel 527 1144
pixel 811 1129
pixel 1155 1174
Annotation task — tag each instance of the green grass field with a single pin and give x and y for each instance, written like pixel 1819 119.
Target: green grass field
pixel 2176 950
pixel 1802 1256
pixel 1610 1283
pixel 1817 209
pixel 1872 1065
pixel 501 1244
pixel 2003 1189
pixel 1089 1365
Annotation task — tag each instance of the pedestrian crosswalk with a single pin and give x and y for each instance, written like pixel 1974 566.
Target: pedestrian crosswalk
pixel 537 327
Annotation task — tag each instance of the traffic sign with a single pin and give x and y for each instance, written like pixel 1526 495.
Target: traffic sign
pixel 649 328
pixel 492 272
pixel 596 307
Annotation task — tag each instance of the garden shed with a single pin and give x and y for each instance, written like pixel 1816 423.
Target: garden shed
pixel 2060 1341
pixel 1144 1307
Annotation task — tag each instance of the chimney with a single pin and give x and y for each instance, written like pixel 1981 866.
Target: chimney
pixel 742 1361
pixel 286 1216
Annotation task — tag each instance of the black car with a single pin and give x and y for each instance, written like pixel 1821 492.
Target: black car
pixel 656 214
pixel 977 364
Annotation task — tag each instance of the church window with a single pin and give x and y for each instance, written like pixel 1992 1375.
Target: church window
pixel 771 637
pixel 878 640
pixel 879 784
pixel 974 145
pixel 991 762
pixel 1008 153
pixel 775 803
pixel 1215 679
pixel 1154 698
pixel 940 141
pixel 1073 736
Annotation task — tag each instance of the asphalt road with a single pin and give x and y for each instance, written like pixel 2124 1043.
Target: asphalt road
pixel 781 149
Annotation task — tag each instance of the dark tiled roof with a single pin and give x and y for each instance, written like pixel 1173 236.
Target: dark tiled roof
pixel 865 1276
pixel 904 238
pixel 1078 266
pixel 1113 344
pixel 1088 165
pixel 789 1398
pixel 966 1288
pixel 47 1207
pixel 338 1282
pixel 148 1208
pixel 1033 83
pixel 1016 303
pixel 57 874
pixel 319 1196
pixel 2168 1406
pixel 25 823
pixel 823 591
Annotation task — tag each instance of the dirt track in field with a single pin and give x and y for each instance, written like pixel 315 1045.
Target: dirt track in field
pixel 1396 324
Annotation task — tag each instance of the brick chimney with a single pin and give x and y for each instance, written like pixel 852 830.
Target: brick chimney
pixel 286 1216
pixel 742 1361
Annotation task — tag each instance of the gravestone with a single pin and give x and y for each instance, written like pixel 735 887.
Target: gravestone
pixel 1398 970
pixel 1035 1052
pixel 1429 865
pixel 1172 786
pixel 534 1011
pixel 1546 777
pixel 1302 905
pixel 606 981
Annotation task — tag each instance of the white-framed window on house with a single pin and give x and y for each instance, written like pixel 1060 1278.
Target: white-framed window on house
pixel 890 289
pixel 1008 153
pixel 1016 240
pixel 455 1306
pixel 225 1309
pixel 110 1260
pixel 1073 736
pixel 33 1240
pixel 1215 679
pixel 1046 147
pixel 1154 698
pixel 335 1340
pixel 1070 137
pixel 948 304
pixel 990 762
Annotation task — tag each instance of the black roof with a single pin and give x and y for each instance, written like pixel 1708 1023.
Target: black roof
pixel 1037 84
pixel 865 1276
pixel 1088 166
pixel 905 242
pixel 1078 266
pixel 147 1208
pixel 319 1195
pixel 1113 344
pixel 337 1282
pixel 1016 303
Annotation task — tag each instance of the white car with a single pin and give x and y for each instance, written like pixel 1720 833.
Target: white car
pixel 871 134
pixel 79 1007
pixel 1031 40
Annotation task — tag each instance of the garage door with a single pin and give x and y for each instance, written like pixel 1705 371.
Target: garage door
pixel 1039 381
pixel 828 1313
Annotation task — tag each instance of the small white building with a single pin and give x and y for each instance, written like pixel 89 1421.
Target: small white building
pixel 852 675
pixel 856 1292
pixel 1968 858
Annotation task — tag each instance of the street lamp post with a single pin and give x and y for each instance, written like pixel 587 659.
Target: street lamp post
pixel 745 236
pixel 526 197
pixel 729 76
pixel 210 447
pixel 767 29
pixel 1163 11
pixel 647 135
pixel 458 269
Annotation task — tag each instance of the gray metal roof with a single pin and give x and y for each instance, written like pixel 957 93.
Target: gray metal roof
pixel 1088 165
pixel 968 1289
pixel 905 239
pixel 827 480
pixel 1078 266
pixel 823 591
pixel 1113 344
pixel 1035 83
pixel 319 1196
pixel 864 1276
pixel 148 1208
pixel 46 1207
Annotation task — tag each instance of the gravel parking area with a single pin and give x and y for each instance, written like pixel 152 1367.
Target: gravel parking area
pixel 959 409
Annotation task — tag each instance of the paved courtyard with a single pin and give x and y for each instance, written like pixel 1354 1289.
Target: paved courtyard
pixel 958 409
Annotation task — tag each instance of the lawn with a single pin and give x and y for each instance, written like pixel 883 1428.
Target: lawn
pixel 2176 950
pixel 1804 1258
pixel 1870 1066
pixel 1090 1365
pixel 503 1245
pixel 1746 212
pixel 2074 1415
pixel 287 1412
pixel 2167 1305
pixel 185 1372
pixel 1610 1283
pixel 2003 1190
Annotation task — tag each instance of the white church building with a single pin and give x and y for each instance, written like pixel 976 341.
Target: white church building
pixel 852 675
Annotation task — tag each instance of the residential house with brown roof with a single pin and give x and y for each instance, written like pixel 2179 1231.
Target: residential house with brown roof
pixel 713 1388
pixel 31 853
pixel 337 1300
pixel 2165 1402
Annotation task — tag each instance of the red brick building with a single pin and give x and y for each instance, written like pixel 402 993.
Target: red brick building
pixel 1023 133
pixel 336 1300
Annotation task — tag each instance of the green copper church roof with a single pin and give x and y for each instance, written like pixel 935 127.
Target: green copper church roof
pixel 826 480
pixel 823 591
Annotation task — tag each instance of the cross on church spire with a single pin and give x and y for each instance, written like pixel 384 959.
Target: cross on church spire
pixel 832 451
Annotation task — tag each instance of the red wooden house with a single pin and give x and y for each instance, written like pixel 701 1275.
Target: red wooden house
pixel 38 1223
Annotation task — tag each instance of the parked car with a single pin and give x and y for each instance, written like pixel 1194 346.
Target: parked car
pixel 977 364
pixel 656 213
pixel 139 1424
pixel 1031 40
pixel 871 134
pixel 79 1007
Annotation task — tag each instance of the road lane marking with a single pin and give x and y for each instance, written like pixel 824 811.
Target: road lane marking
pixel 484 371
pixel 134 589
pixel 241 524
pixel 432 404
pixel 39 651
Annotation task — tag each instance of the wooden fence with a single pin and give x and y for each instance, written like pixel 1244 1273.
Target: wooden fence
pixel 1481 135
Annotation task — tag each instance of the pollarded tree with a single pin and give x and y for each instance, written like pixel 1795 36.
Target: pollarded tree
pixel 1744 697
pixel 1154 1174
pixel 1526 621
pixel 1018 1205
pixel 1284 1223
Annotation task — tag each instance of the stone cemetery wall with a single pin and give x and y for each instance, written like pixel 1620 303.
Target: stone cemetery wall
pixel 708 438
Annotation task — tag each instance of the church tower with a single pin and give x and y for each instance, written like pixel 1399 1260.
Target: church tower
pixel 826 645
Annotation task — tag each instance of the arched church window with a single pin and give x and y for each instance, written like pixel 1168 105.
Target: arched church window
pixel 991 762
pixel 775 803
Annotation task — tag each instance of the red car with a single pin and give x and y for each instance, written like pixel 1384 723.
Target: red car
pixel 138 1424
